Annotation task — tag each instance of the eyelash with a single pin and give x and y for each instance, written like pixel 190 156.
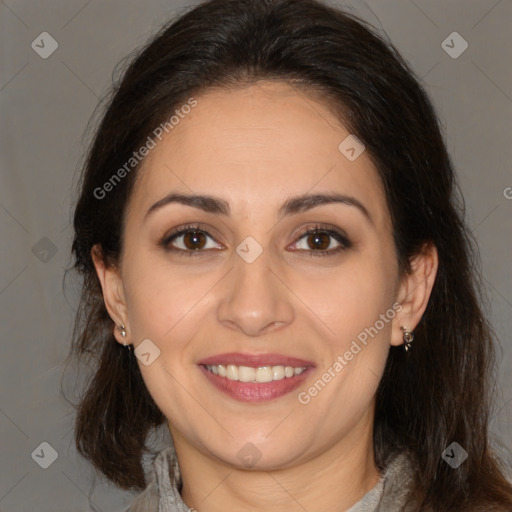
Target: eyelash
pixel 345 243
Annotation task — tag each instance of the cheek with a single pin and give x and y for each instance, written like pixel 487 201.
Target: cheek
pixel 160 298
pixel 164 306
pixel 349 300
pixel 353 358
pixel 356 307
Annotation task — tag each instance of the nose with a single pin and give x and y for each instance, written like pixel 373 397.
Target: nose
pixel 255 299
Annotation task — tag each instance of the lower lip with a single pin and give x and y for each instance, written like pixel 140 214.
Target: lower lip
pixel 255 391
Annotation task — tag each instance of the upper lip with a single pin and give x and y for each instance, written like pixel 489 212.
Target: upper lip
pixel 255 360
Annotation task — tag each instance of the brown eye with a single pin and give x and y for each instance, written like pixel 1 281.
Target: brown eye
pixel 320 241
pixel 194 240
pixel 189 240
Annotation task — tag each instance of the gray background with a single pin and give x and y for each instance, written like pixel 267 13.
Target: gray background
pixel 45 107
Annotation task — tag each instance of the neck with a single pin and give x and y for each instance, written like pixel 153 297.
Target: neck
pixel 335 479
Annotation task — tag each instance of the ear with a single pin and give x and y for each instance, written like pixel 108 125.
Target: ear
pixel 113 292
pixel 414 291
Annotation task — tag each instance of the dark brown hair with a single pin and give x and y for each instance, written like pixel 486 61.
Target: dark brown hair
pixel 441 392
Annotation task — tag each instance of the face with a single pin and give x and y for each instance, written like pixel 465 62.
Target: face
pixel 305 319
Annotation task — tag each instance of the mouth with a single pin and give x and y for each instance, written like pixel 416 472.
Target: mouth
pixel 255 378
pixel 260 374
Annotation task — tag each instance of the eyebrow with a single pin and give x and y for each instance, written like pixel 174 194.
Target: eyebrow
pixel 292 205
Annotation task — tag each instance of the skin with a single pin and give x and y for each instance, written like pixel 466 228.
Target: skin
pixel 254 147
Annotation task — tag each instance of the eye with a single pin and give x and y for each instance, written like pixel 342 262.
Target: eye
pixel 188 239
pixel 192 240
pixel 321 241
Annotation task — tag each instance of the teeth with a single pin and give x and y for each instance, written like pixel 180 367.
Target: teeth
pixel 264 374
pixel 277 372
pixel 232 372
pixel 245 374
pixel 249 374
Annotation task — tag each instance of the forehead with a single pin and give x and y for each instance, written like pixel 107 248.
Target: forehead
pixel 255 146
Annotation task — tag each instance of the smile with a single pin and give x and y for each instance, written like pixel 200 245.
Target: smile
pixel 250 374
pixel 260 385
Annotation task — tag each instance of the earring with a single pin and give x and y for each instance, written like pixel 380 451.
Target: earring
pixel 408 338
pixel 122 331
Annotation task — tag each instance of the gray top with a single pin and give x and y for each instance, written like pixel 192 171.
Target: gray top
pixel 162 492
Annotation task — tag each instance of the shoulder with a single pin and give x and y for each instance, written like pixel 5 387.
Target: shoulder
pixel 162 491
pixel 398 484
pixel 159 482
pixel 146 501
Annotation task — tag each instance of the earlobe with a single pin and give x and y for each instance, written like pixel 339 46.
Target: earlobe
pixel 414 293
pixel 113 293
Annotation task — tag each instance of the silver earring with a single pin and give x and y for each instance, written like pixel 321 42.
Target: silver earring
pixel 122 331
pixel 408 338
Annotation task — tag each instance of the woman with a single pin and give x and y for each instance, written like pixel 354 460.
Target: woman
pixel 276 268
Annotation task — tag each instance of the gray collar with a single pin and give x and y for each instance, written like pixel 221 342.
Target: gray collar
pixel 162 492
